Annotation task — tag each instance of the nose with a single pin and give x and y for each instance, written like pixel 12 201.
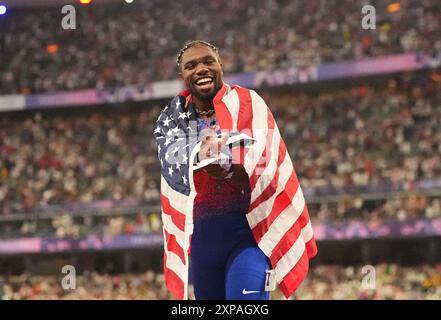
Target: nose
pixel 201 69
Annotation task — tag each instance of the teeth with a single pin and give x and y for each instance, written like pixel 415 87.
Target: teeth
pixel 204 81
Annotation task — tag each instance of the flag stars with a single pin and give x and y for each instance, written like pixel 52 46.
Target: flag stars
pixel 184 179
pixel 166 121
pixel 178 104
pixel 183 115
pixel 170 170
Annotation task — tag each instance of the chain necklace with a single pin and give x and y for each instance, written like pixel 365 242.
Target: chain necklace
pixel 205 113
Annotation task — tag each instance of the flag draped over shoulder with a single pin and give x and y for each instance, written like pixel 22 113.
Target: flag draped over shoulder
pixel 277 215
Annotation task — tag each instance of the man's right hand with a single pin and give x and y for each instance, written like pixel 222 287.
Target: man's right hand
pixel 211 144
pixel 211 148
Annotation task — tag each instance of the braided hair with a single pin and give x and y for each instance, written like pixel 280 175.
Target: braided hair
pixel 192 44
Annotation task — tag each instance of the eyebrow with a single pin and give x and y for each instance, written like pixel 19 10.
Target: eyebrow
pixel 202 58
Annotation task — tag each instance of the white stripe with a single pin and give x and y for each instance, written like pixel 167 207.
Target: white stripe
pixel 263 209
pixel 260 131
pixel 231 100
pixel 177 200
pixel 174 263
pixel 183 204
pixel 286 219
pixel 307 232
pixel 171 228
pixel 267 175
pixel 290 259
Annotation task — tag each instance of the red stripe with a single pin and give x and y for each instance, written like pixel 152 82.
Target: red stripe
pixel 185 93
pixel 272 187
pixel 174 246
pixel 295 276
pixel 223 115
pixel 298 273
pixel 177 217
pixel 245 114
pixel 264 159
pixel 311 248
pixel 281 202
pixel 173 282
pixel 288 239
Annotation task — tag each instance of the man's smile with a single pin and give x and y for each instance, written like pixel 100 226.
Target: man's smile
pixel 204 83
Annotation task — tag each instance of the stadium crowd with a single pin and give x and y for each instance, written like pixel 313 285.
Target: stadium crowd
pixel 137 44
pixel 391 282
pixel 53 160
pixel 372 212
pixel 65 225
pixel 365 136
pixel 323 283
pixel 376 211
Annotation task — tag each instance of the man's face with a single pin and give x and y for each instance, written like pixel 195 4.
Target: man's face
pixel 201 71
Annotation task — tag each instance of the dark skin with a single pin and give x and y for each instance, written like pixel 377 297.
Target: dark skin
pixel 201 62
pixel 201 70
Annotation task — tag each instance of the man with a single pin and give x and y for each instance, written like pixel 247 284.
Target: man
pixel 244 221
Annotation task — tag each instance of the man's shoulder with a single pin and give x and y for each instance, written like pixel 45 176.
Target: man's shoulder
pixel 174 103
pixel 240 88
pixel 245 91
pixel 253 94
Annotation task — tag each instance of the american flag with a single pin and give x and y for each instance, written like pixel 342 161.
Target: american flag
pixel 278 215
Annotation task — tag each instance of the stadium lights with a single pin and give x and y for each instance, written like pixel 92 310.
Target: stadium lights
pixel 2 9
pixel 86 1
pixel 52 48
pixel 393 7
pixel 128 1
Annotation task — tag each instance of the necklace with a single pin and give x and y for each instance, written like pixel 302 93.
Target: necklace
pixel 205 113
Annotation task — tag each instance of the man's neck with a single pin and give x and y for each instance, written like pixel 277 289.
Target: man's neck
pixel 203 105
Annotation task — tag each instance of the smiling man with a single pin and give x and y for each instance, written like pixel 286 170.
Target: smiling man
pixel 241 225
pixel 201 69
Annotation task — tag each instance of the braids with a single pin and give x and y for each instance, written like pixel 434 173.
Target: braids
pixel 192 44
